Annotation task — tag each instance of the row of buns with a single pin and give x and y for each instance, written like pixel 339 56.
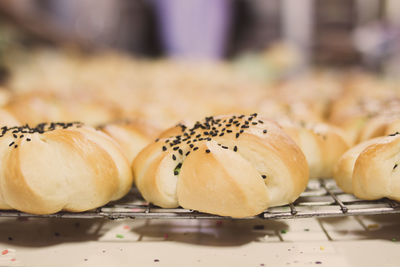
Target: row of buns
pixel 322 121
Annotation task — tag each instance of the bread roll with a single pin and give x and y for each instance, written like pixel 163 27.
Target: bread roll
pixel 322 144
pixel 228 165
pixel 34 108
pixel 380 126
pixel 370 169
pixel 132 136
pixel 57 166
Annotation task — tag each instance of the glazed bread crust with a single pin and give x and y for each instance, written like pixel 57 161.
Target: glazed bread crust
pixel 132 136
pixel 321 143
pixel 370 169
pixel 60 167
pixel 227 165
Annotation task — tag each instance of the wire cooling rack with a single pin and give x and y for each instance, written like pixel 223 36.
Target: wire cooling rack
pixel 322 198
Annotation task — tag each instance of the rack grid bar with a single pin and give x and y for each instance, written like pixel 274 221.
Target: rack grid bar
pixel 322 198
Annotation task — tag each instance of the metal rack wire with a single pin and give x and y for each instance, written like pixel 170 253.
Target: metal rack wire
pixel 322 198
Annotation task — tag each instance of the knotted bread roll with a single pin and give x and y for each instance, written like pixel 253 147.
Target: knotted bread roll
pixel 380 126
pixel 58 166
pixel 370 170
pixel 132 136
pixel 227 165
pixel 321 143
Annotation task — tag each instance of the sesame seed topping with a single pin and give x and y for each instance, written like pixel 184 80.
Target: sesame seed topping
pixel 265 131
pixel 164 148
pixel 235 148
pixel 264 176
pixel 173 157
pixel 208 151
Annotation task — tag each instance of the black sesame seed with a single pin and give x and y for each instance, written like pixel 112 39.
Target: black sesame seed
pixel 229 131
pixel 176 172
pixel 260 121
pixel 187 153
pixel 254 123
pixel 194 149
pixel 28 139
pixel 264 176
pixel 208 151
pixel 15 146
pixel 164 148
pixel 241 131
pixel 235 148
pixel 265 131
pixel 191 145
pixel 11 144
pixel 173 157
pixel 221 134
pixel 394 134
pixel 395 166
pixel 175 148
pixel 237 135
pixel 224 147
pixel 180 151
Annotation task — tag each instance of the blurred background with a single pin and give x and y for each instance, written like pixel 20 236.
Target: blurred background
pixel 334 32
pixel 113 59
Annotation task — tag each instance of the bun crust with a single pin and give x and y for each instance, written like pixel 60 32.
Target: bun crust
pixel 132 136
pixel 55 167
pixel 322 144
pixel 370 169
pixel 228 165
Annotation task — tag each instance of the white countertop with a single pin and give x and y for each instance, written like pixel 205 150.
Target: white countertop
pixel 347 241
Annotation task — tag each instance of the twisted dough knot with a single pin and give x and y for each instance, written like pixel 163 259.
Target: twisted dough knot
pixel 60 166
pixel 370 169
pixel 227 165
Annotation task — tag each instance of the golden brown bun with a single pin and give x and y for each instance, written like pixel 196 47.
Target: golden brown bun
pixel 55 167
pixel 241 167
pixel 322 144
pixel 370 169
pixel 132 136
pixel 34 108
pixel 380 126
